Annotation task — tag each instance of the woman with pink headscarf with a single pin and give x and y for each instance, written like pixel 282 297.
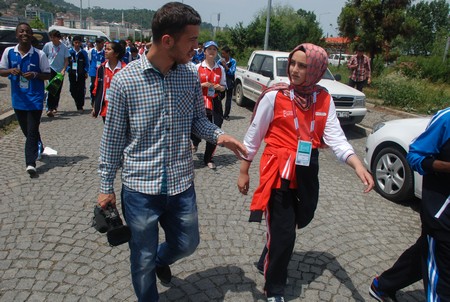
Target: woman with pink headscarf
pixel 294 120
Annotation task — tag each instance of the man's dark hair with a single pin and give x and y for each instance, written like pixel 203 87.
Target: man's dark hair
pixel 133 49
pixel 360 47
pixel 77 38
pixel 226 49
pixel 23 23
pixel 54 33
pixel 99 40
pixel 172 18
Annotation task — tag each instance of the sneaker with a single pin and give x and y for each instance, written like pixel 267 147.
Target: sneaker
pixel 50 113
pixel 379 295
pixel 211 165
pixel 275 299
pixel 31 170
pixel 164 274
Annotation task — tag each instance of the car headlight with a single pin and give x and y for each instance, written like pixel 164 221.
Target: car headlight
pixel 360 102
pixel 377 127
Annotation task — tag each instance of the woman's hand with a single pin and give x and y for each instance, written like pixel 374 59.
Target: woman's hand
pixel 243 183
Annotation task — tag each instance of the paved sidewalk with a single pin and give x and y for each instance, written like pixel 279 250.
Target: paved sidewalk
pixel 49 251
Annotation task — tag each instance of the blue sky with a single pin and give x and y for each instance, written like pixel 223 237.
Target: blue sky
pixel 234 11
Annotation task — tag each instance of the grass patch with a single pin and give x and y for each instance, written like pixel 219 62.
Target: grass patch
pixel 5 130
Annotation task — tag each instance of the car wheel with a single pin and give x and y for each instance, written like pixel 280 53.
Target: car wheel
pixel 392 174
pixel 239 92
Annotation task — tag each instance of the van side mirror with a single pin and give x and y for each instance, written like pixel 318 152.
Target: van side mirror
pixel 267 73
pixel 337 77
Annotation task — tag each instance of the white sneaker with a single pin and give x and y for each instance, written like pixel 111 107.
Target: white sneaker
pixel 31 170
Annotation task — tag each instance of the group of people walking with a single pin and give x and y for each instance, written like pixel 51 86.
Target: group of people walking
pixel 156 108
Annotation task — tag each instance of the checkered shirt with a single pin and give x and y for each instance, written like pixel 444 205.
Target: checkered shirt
pixel 148 125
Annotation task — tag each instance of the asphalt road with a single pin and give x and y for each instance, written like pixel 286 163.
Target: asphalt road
pixel 49 251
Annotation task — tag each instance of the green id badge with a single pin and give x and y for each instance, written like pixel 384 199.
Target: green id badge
pixel 303 153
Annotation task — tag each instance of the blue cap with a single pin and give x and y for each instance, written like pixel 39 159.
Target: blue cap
pixel 210 43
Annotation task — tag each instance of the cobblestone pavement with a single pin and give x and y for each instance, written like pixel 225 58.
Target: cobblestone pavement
pixel 49 251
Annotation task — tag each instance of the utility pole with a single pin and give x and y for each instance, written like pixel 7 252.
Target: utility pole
pixel 81 18
pixel 266 37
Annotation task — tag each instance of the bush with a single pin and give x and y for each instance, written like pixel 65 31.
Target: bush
pixel 431 68
pixel 377 66
pixel 399 91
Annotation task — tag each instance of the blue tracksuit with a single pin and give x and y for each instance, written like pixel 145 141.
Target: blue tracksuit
pixel 434 144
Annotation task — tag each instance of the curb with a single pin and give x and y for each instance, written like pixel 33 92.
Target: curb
pixel 7 118
pixel 373 104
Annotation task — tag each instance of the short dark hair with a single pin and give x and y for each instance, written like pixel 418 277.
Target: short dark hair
pixel 77 38
pixel 226 49
pixel 54 33
pixel 172 18
pixel 23 23
pixel 99 40
pixel 133 49
pixel 360 47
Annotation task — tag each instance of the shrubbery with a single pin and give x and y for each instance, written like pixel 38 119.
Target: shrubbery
pixel 398 90
pixel 414 84
pixel 431 68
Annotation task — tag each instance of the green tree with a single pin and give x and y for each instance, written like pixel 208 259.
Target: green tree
pixel 288 28
pixel 426 20
pixel 37 23
pixel 375 23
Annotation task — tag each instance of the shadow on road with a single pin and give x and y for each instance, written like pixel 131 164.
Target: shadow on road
pixel 50 162
pixel 211 285
pixel 306 267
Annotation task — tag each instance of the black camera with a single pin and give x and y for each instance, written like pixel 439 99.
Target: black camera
pixel 107 220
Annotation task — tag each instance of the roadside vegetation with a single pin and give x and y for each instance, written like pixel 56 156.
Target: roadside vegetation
pixel 6 129
pixel 406 40
pixel 412 84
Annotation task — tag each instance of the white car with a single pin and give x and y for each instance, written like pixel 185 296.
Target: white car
pixel 386 150
pixel 266 68
pixel 334 59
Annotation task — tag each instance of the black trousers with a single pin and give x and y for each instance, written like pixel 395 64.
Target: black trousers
pixel 281 224
pixel 53 100
pixel 359 85
pixel 78 89
pixel 228 97
pixel 414 264
pixel 216 117
pixel 29 121
pixel 406 270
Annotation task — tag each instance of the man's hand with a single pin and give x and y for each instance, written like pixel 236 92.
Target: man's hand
pixel 104 199
pixel 233 144
pixel 15 71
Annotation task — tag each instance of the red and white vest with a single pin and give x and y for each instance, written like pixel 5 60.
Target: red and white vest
pixel 212 76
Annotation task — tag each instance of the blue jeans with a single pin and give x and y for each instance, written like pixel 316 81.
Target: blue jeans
pixel 177 215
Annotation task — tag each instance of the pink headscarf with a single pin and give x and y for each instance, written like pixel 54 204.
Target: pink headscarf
pixel 317 62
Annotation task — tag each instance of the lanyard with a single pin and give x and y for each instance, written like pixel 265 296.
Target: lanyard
pixel 55 53
pixel 294 112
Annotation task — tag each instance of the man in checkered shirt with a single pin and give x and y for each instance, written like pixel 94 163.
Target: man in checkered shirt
pixel 154 104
